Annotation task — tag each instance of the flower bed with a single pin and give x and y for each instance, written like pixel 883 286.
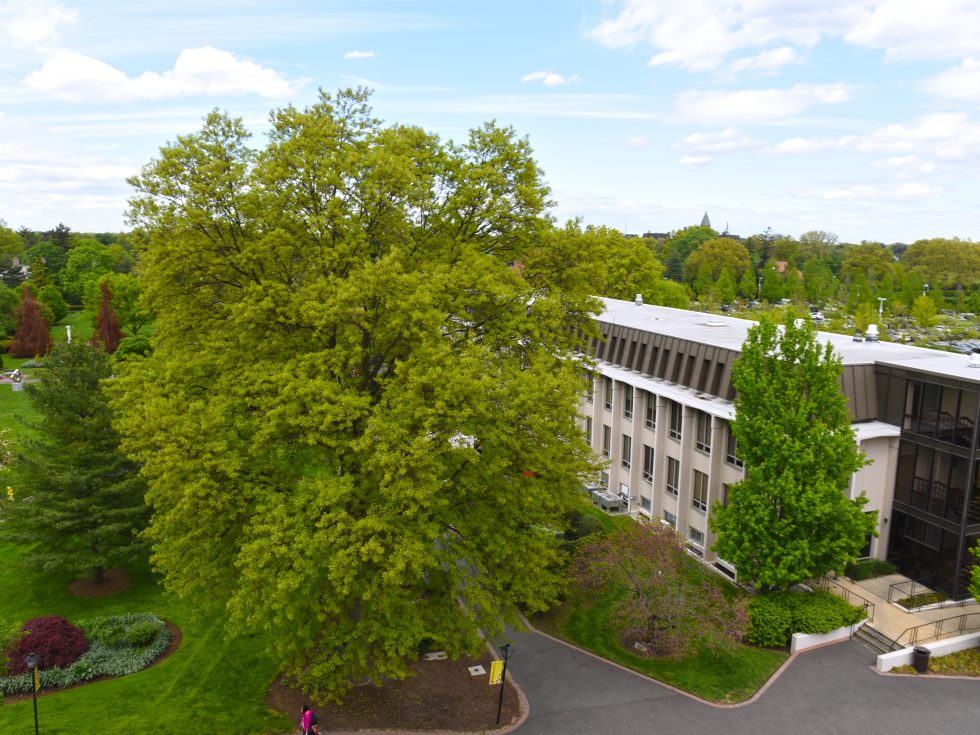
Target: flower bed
pixel 119 645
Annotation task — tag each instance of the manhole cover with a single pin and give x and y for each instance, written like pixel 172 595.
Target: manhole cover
pixel 477 671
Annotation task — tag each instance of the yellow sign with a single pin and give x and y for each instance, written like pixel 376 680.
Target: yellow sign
pixel 37 679
pixel 496 672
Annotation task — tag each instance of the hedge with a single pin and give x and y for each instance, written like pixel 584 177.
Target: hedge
pixel 774 617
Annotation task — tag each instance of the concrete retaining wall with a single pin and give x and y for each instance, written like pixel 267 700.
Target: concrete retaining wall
pixel 888 661
pixel 805 641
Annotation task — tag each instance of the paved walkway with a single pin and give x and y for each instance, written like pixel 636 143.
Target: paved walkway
pixel 891 619
pixel 828 690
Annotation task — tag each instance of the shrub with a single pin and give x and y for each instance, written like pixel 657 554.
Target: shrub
pixel 57 643
pixel 101 659
pixel 134 346
pixel 141 634
pixel 773 618
pixel 868 569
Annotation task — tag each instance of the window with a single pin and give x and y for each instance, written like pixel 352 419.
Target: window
pixel 699 497
pixel 607 391
pixel 628 401
pixel 645 503
pixel 670 519
pixel 589 387
pixel 588 430
pixel 724 495
pixel 676 420
pixel 606 439
pixel 604 479
pixel 673 475
pixel 702 439
pixel 627 451
pixel 696 535
pixel 731 451
pixel 647 463
pixel 651 411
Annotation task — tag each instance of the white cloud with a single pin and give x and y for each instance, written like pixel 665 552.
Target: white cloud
pixel 695 161
pixel 905 165
pixel 549 79
pixel 766 61
pixel 360 55
pixel 638 142
pixel 912 29
pixel 724 141
pixel 950 135
pixel 33 24
pixel 869 192
pixel 756 105
pixel 794 146
pixel 700 35
pixel 204 71
pixel 959 83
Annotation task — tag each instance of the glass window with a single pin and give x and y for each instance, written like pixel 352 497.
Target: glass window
pixel 589 387
pixel 606 439
pixel 731 451
pixel 702 439
pixel 696 535
pixel 670 519
pixel 627 451
pixel 607 392
pixel 588 430
pixel 676 420
pixel 651 411
pixel 673 476
pixel 645 503
pixel 647 463
pixel 628 401
pixel 699 496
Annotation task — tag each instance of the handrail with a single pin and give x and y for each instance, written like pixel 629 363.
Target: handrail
pixel 899 588
pixel 944 627
pixel 869 606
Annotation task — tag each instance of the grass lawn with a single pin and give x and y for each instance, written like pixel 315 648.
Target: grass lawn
pixel 208 686
pixel 583 619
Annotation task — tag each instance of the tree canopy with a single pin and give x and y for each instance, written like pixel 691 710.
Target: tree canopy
pixel 361 404
pixel 790 518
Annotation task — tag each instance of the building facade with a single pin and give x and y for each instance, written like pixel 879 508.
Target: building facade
pixel 661 402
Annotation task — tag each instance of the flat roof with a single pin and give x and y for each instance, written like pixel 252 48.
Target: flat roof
pixel 730 332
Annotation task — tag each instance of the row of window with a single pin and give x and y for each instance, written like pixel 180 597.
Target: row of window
pixel 702 438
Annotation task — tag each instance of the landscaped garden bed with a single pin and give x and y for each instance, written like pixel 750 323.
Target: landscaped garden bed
pixel 922 599
pixel 960 663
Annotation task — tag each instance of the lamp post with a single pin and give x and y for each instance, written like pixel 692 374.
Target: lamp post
pixel 505 652
pixel 31 660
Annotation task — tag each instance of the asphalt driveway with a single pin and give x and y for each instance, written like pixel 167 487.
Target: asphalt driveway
pixel 828 690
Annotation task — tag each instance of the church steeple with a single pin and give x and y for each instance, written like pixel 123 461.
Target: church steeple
pixel 705 222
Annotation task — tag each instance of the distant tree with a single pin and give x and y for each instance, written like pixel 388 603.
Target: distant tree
pixel 51 297
pixel 869 259
pixel 658 606
pixel 924 311
pixel 126 301
pixel 714 256
pixel 817 245
pixel 724 287
pixel 60 236
pixel 8 309
pixel 107 332
pixel 86 498
pixel 864 315
pixel 818 281
pixel 53 257
pixel 680 245
pixel 32 336
pixel 790 519
pixel 944 263
pixel 748 286
pixel 87 261
pixel 11 246
pixel 773 284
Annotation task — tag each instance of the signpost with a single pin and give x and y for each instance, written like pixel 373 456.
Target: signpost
pixel 500 666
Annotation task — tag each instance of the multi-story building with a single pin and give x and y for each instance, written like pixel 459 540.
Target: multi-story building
pixel 661 402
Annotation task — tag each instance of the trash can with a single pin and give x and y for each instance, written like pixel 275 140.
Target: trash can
pixel 920 659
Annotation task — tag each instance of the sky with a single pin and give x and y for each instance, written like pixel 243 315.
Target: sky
pixel 860 118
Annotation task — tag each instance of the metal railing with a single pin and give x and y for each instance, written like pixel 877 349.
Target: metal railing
pixel 957 625
pixel 829 585
pixel 903 590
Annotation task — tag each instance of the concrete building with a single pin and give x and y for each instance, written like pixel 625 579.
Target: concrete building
pixel 662 401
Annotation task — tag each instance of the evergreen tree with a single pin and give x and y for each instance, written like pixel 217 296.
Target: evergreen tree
pixel 32 336
pixel 107 332
pixel 78 501
pixel 790 518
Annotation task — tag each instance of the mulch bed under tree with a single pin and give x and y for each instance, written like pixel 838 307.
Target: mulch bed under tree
pixel 113 581
pixel 441 696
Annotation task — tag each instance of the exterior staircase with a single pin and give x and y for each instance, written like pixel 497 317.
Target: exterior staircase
pixel 873 639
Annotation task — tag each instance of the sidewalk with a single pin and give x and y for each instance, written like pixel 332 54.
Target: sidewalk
pixel 890 619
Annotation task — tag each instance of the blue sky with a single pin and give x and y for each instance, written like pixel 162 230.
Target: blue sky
pixel 859 118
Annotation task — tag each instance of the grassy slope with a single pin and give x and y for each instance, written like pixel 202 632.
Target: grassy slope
pixel 210 685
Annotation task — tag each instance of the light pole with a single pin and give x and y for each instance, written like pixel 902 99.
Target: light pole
pixel 881 307
pixel 31 660
pixel 505 652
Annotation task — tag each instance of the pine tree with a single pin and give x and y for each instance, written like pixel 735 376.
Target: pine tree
pixel 32 336
pixel 77 500
pixel 107 332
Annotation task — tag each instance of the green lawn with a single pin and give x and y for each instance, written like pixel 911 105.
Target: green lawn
pixel 208 686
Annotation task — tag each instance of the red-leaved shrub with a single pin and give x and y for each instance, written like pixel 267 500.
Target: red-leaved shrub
pixel 56 642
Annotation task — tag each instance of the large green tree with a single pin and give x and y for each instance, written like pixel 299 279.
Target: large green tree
pixel 790 518
pixel 359 419
pixel 77 500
